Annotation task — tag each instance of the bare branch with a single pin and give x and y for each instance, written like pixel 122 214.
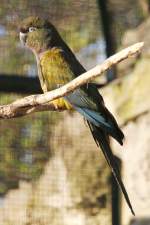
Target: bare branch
pixel 41 102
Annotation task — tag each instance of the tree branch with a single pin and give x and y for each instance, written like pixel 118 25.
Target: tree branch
pixel 41 102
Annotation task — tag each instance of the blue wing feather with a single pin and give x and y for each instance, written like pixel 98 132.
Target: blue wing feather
pixel 98 120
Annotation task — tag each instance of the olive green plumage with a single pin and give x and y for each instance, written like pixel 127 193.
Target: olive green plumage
pixel 56 66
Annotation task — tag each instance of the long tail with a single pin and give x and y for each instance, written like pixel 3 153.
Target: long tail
pixel 102 141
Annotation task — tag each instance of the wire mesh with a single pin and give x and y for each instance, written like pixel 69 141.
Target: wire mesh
pixel 50 170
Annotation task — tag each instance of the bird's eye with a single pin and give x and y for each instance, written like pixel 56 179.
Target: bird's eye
pixel 31 29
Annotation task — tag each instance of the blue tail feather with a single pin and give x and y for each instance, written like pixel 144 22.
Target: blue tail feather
pixel 99 121
pixel 102 141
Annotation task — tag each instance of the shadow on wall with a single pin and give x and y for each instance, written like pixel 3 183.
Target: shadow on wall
pixel 140 221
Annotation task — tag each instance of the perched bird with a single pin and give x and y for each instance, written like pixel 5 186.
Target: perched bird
pixel 57 65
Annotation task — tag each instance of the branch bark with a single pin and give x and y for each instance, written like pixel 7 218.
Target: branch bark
pixel 41 102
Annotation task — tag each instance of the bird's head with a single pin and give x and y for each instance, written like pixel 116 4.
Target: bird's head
pixel 38 34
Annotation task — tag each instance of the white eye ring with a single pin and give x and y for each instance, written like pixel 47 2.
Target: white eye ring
pixel 31 29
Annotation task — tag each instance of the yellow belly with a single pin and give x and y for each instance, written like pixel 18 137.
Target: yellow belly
pixel 54 71
pixel 62 104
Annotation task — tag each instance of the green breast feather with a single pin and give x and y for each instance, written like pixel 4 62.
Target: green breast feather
pixel 55 70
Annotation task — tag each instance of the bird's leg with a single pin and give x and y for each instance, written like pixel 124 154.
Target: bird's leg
pixel 59 85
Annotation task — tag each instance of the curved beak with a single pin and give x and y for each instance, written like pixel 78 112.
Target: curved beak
pixel 23 37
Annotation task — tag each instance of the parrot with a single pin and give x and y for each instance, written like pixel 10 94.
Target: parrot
pixel 57 65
